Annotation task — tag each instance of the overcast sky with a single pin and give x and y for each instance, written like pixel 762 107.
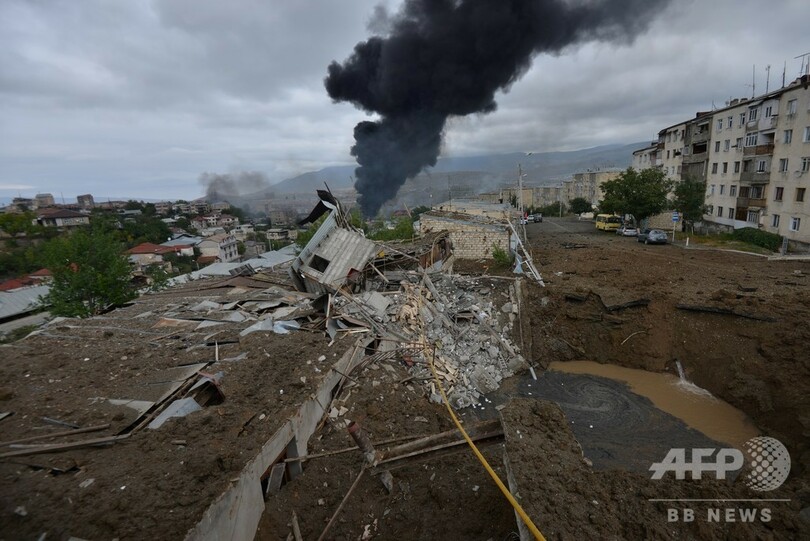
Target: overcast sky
pixel 137 98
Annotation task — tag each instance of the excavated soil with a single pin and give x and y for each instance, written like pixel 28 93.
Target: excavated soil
pixel 607 299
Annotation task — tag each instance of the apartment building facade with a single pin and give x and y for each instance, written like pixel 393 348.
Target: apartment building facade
pixel 646 157
pixel 754 156
pixel 759 163
pixel 670 150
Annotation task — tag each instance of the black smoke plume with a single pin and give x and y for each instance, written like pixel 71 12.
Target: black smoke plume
pixel 450 57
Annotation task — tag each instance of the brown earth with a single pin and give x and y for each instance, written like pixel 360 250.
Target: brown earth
pixel 757 365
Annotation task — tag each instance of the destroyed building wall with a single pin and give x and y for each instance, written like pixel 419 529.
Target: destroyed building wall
pixel 470 239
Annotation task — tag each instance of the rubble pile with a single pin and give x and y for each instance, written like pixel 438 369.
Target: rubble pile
pixel 466 325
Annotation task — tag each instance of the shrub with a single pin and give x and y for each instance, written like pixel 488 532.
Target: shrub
pixel 757 237
pixel 501 256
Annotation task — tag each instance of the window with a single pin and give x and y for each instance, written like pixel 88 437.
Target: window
pixel 806 135
pixel 731 212
pixel 726 145
pixel 738 143
pixel 717 146
pixel 742 119
pixel 667 154
pixel 720 211
pixel 795 222
pixel 800 194
pixel 761 166
pixel 775 221
pixel 712 190
pixel 751 139
pixel 714 168
pixel 791 107
pixel 722 189
pixel 736 167
pixel 753 217
pixel 783 165
pixel 720 124
pixel 669 137
pixel 779 193
pixel 730 121
pixel 679 169
pixel 732 190
pixel 768 111
pixel 805 164
pixel 788 136
pixel 725 167
pixel 752 114
pixel 746 166
pixel 710 209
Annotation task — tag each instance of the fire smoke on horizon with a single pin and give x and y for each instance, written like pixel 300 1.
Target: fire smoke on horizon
pixel 221 185
pixel 445 58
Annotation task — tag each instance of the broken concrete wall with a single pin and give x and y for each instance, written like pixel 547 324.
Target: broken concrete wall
pixel 470 239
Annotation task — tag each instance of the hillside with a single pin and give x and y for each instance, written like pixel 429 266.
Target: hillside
pixel 540 167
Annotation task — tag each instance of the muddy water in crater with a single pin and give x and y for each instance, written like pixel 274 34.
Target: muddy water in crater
pixel 694 406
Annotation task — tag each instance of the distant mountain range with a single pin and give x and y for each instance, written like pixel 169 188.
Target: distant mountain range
pixel 451 177
pixel 541 168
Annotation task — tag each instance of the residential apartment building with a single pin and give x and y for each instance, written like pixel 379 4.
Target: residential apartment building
pixel 222 246
pixel 696 141
pixel 754 156
pixel 588 185
pixel 670 150
pixel 759 163
pixel 646 157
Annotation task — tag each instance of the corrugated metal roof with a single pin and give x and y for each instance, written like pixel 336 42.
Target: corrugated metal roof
pixel 20 301
pixel 344 250
pixel 182 241
pixel 274 258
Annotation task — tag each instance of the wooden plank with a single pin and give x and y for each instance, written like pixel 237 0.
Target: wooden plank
pixel 275 479
pixel 65 446
pixel 57 434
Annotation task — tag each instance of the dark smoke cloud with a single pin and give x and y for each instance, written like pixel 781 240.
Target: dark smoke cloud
pixel 450 57
pixel 220 186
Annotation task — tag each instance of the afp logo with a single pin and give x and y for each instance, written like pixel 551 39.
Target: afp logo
pixel 768 459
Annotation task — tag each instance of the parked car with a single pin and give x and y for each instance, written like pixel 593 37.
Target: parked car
pixel 537 218
pixel 629 231
pixel 652 236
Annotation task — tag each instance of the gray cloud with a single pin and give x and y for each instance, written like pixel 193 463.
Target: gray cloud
pixel 140 98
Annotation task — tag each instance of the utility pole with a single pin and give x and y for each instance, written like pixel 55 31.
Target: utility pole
pixel 520 191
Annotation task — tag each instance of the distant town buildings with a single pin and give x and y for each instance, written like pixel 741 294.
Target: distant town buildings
pixel 85 201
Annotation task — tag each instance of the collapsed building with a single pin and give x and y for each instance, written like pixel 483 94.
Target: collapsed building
pixel 193 404
pixel 331 394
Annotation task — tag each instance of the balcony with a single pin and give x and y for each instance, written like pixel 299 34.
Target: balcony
pixel 700 137
pixel 695 158
pixel 759 150
pixel 747 202
pixel 754 177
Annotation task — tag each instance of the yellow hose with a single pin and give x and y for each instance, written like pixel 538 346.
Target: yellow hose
pixel 518 509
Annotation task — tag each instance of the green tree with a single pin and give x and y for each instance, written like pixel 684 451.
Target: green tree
pixel 579 205
pixel 90 274
pixel 690 198
pixel 640 193
pixel 403 230
pixel 14 224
